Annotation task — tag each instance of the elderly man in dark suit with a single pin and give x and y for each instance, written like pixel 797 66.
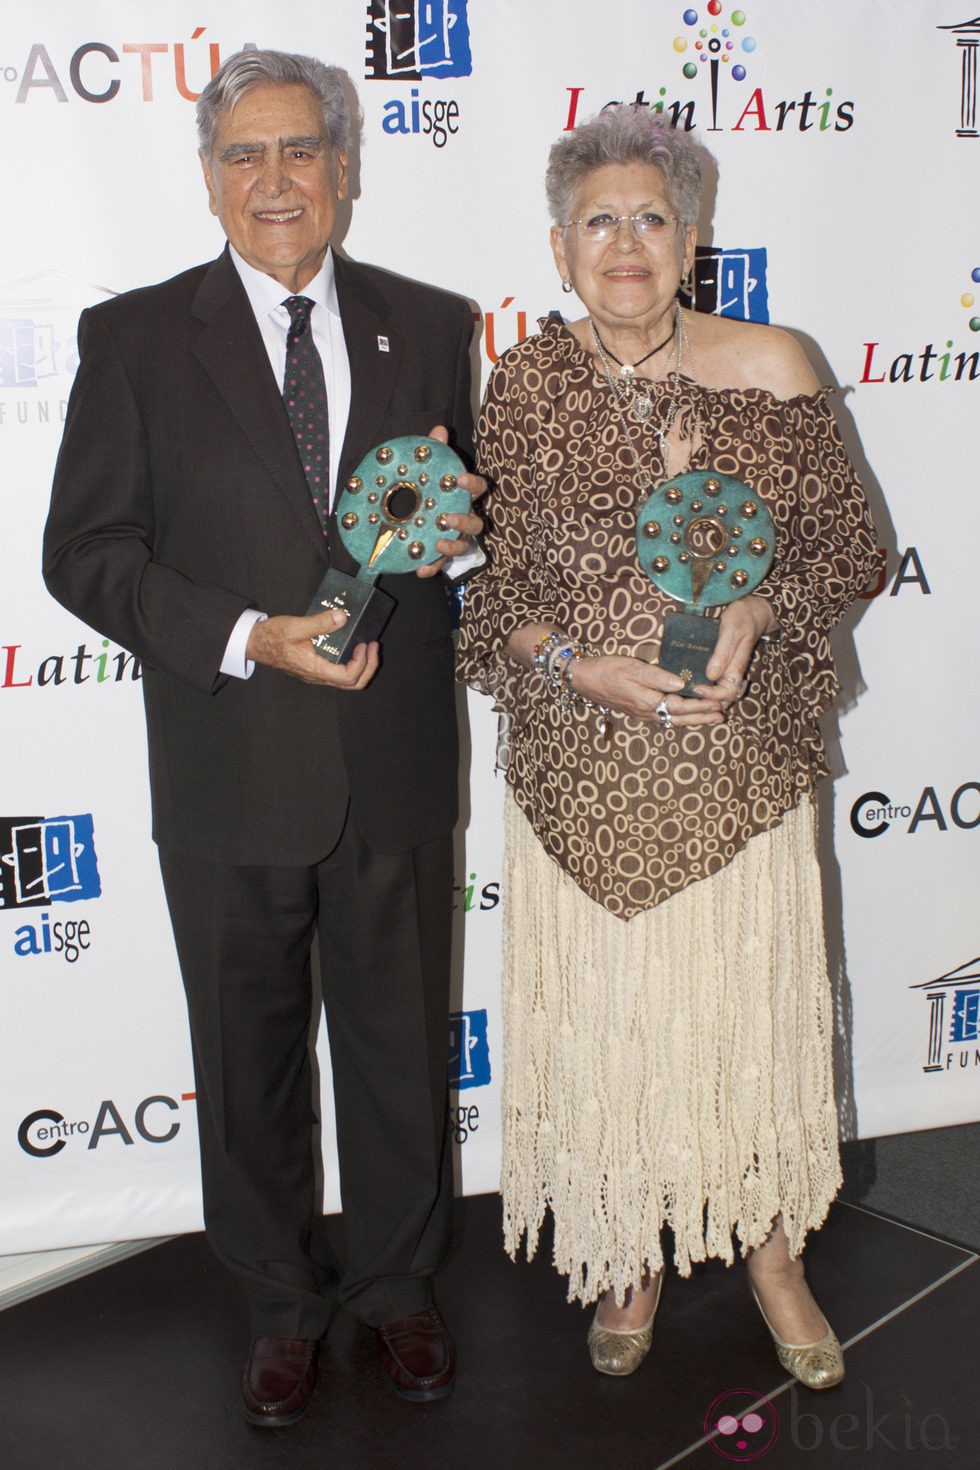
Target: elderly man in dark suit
pixel 291 796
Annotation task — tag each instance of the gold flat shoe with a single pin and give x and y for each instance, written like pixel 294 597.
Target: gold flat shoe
pixel 620 1352
pixel 814 1364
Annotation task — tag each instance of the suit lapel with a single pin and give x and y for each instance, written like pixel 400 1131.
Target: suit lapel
pixel 375 354
pixel 230 349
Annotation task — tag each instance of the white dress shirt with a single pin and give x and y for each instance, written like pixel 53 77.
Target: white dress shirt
pixel 265 296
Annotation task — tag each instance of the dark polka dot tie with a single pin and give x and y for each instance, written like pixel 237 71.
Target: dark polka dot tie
pixel 305 395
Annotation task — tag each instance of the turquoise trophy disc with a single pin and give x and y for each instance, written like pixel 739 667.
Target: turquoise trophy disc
pixel 391 512
pixel 705 538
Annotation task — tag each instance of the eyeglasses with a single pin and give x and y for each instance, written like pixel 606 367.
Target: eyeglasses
pixel 601 228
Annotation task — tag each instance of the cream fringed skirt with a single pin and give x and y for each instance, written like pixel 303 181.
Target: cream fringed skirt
pixel 671 1069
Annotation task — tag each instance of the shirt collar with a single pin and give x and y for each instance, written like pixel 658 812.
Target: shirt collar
pixel 266 295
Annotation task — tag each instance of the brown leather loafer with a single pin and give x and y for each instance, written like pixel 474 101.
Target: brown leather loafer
pixel 277 1380
pixel 418 1355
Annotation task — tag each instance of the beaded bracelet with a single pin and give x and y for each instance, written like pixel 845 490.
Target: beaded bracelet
pixel 554 657
pixel 544 650
pixel 560 670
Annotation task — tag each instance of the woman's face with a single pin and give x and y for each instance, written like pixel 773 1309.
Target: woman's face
pixel 630 280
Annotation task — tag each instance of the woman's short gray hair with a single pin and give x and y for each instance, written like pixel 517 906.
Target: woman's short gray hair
pixel 253 68
pixel 626 133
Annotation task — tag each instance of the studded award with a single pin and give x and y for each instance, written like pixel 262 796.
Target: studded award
pixel 390 514
pixel 705 539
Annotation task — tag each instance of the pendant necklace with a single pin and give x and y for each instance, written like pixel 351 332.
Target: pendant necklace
pixel 630 398
pixel 632 393
pixel 628 368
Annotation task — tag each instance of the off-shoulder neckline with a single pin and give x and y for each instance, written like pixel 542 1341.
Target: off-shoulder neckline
pixel 556 328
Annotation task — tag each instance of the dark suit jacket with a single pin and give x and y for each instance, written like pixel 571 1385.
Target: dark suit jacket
pixel 179 500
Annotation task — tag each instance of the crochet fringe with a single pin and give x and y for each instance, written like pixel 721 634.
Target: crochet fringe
pixel 670 1070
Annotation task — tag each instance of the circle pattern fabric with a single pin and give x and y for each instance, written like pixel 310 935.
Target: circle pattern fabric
pixel 655 810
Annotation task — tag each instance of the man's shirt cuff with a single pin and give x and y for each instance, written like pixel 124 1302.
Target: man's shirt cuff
pixel 459 567
pixel 235 663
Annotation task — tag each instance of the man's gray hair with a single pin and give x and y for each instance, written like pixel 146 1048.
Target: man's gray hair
pixel 252 68
pixel 626 134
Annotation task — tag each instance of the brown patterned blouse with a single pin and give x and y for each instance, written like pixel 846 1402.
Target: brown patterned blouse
pixel 655 810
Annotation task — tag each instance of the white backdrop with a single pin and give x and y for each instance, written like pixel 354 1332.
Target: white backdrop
pixel 847 148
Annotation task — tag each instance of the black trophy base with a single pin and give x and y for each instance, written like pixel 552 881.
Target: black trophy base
pixel 367 609
pixel 688 643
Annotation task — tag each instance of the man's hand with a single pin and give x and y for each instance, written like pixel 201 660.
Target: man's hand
pixel 286 643
pixel 466 525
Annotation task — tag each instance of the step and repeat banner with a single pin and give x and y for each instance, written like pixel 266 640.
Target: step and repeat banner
pixel 843 208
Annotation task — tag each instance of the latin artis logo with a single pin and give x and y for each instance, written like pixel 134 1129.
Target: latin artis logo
pixel 19 671
pixel 929 363
pixel 45 860
pixel 715 46
pixel 721 44
pixel 968 300
pixel 741 1425
pixel 99 72
pixel 967 38
pixel 714 49
pixel 46 1131
pixel 953 1023
pixel 477 897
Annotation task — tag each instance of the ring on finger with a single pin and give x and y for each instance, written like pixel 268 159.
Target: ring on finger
pixel 663 713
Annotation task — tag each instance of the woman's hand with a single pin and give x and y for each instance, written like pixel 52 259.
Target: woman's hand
pixel 466 525
pixel 742 624
pixel 630 686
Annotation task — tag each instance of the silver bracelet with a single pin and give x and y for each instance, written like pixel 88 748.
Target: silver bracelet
pixel 560 661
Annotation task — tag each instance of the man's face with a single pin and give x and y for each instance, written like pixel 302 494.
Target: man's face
pixel 274 181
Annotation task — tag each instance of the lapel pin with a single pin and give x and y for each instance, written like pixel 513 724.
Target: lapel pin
pixel 383 344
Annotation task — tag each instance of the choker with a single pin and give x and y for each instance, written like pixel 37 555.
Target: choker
pixel 632 394
pixel 630 368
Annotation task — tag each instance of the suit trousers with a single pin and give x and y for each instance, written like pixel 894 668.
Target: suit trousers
pixel 244 938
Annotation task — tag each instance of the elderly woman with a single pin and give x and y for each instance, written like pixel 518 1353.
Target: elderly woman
pixel 667 1009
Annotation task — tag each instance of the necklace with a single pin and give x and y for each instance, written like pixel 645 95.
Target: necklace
pixel 628 396
pixel 633 394
pixel 630 368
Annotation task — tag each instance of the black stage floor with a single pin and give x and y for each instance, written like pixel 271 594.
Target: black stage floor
pixel 136 1368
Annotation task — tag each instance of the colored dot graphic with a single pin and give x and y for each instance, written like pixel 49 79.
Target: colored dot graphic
pixel 714 43
pixel 968 299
